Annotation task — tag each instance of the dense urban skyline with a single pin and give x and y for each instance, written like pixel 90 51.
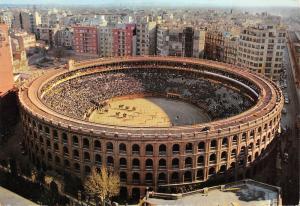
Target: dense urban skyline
pixel 171 3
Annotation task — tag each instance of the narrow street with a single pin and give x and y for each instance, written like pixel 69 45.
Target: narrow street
pixel 289 179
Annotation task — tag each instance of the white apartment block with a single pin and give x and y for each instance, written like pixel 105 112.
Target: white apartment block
pixel 162 41
pixel 261 49
pixel 105 41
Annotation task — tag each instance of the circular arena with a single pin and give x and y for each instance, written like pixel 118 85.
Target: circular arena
pixel 163 123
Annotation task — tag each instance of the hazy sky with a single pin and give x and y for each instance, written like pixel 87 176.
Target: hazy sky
pixel 173 3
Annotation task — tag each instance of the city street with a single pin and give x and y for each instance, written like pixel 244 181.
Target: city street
pixel 290 145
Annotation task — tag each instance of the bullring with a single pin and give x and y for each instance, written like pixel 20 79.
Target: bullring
pixel 244 111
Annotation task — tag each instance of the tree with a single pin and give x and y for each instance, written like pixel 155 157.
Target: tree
pixel 104 184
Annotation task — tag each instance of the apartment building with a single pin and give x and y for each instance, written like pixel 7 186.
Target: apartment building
pixel 47 34
pixel 199 43
pixel 145 37
pixel 180 41
pixel 221 46
pixel 124 40
pixel 261 49
pixel 85 40
pixel 105 41
pixel 65 37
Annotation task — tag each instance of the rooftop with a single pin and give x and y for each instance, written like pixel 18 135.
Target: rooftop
pixel 9 198
pixel 246 192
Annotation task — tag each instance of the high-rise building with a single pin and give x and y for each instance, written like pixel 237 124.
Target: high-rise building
pixel 180 41
pixel 124 40
pixel 85 40
pixel 28 21
pixel 187 41
pixel 261 49
pixel 47 34
pixel 6 68
pixel 105 41
pixel 145 37
pixel 198 43
pixel 65 37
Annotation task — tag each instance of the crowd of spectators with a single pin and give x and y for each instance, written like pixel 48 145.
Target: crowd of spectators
pixel 80 95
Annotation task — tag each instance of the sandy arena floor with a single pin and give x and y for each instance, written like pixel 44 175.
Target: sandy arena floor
pixel 149 112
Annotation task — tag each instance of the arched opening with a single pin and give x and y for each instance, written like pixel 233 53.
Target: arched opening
pixel 66 163
pixel 233 153
pixel 201 147
pixel 86 156
pixel 75 154
pixel 135 164
pixel 49 156
pixel 136 194
pixel 234 140
pixel 57 160
pixel 212 158
pixel 224 156
pixel 98 159
pixel 176 149
pixel 188 162
pixel 222 169
pixel 55 146
pixel 224 142
pixel 244 135
pixel 257 143
pixel 162 149
pixel 200 160
pixel 110 161
pixel 250 147
pixel 149 178
pixel 249 158
pixel 109 147
pixel 66 151
pixel 243 150
pixel 123 177
pixel 87 170
pixel 75 140
pixel 122 148
pixel 212 171
pixel 175 163
pixel 123 193
pixel 162 164
pixel 189 148
pixel 162 178
pixel 175 177
pixel 123 163
pixel 213 144
pixel 97 145
pixel 48 144
pixel 149 149
pixel 232 165
pixel 135 178
pixel 86 143
pixel 187 176
pixel 252 134
pixel 200 175
pixel 135 149
pixel 64 138
pixel 149 164
pixel 76 167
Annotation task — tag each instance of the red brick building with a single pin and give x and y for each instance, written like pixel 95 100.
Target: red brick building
pixel 124 40
pixel 85 40
pixel 6 68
